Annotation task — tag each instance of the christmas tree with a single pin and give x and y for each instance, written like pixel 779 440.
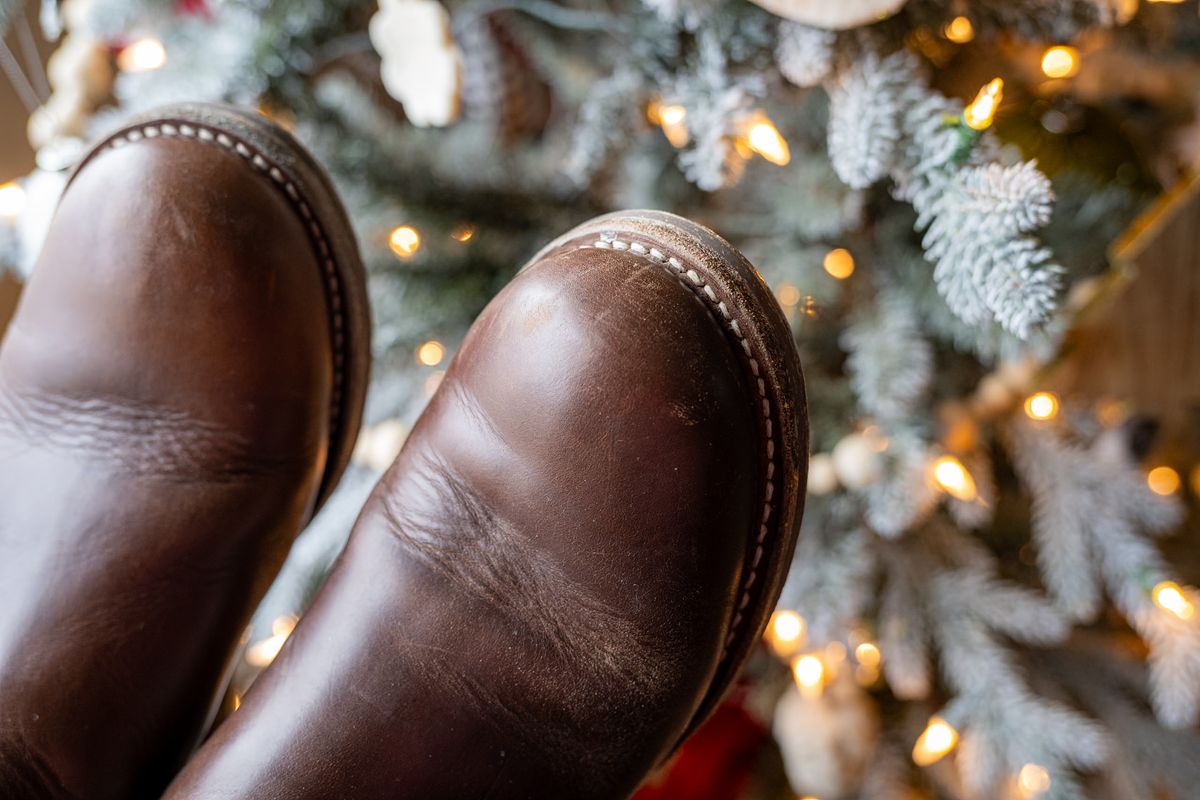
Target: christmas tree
pixel 969 211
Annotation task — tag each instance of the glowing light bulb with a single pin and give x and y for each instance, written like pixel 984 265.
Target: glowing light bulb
pixel 788 294
pixel 1169 596
pixel 673 121
pixel 12 199
pixel 952 478
pixel 405 241
pixel 868 654
pixel 144 55
pixel 809 673
pixel 839 263
pixel 1060 61
pixel 1163 481
pixel 1033 780
pixel 785 632
pixel 463 233
pixel 264 652
pixel 1041 406
pixel 938 739
pixel 764 138
pixel 959 30
pixel 431 353
pixel 982 110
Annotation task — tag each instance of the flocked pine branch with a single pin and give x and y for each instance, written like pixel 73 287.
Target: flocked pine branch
pixel 805 55
pixel 1093 515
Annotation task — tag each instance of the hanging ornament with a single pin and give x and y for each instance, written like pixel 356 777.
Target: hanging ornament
pixel 857 461
pixel 500 82
pixel 826 741
pixel 833 15
pixel 422 66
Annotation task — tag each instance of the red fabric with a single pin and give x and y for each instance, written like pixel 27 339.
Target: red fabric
pixel 193 8
pixel 715 763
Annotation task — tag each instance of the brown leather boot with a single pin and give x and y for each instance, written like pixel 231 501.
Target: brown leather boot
pixel 179 390
pixel 573 555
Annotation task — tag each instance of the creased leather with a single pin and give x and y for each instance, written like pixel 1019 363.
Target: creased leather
pixel 164 404
pixel 534 600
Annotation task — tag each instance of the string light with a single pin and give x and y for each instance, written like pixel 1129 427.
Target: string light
pixel 938 739
pixel 788 294
pixel 12 199
pixel 1041 406
pixel 1060 61
pixel 1163 481
pixel 839 263
pixel 1033 780
pixel 785 632
pixel 959 30
pixel 765 139
pixel 463 233
pixel 405 241
pixel 982 110
pixel 809 673
pixel 673 121
pixel 952 478
pixel 868 654
pixel 144 55
pixel 431 353
pixel 1169 596
pixel 263 653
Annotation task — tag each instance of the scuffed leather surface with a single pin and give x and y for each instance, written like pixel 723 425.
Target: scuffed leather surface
pixel 164 393
pixel 533 601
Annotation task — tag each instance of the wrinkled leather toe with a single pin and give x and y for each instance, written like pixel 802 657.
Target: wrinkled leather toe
pixel 179 389
pixel 572 556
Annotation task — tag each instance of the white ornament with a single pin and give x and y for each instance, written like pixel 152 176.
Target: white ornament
pixel 822 477
pixel 379 445
pixel 82 66
pixel 64 114
pixel 827 741
pixel 422 66
pixel 857 461
pixel 833 15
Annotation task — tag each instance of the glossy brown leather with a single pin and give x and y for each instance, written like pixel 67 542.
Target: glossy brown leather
pixel 535 599
pixel 165 407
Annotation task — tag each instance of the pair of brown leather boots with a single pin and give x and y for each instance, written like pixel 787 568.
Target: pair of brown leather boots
pixel 552 586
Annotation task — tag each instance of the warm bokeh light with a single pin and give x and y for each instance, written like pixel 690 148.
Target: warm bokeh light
pixel 788 294
pixel 959 30
pixel 463 233
pixel 1169 596
pixel 1163 481
pixel 144 55
pixel 982 110
pixel 1060 61
pixel 1041 406
pixel 938 739
pixel 264 652
pixel 1033 780
pixel 952 477
pixel 785 632
pixel 868 654
pixel 764 138
pixel 12 199
pixel 672 119
pixel 1194 480
pixel 809 673
pixel 431 353
pixel 839 263
pixel 404 241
